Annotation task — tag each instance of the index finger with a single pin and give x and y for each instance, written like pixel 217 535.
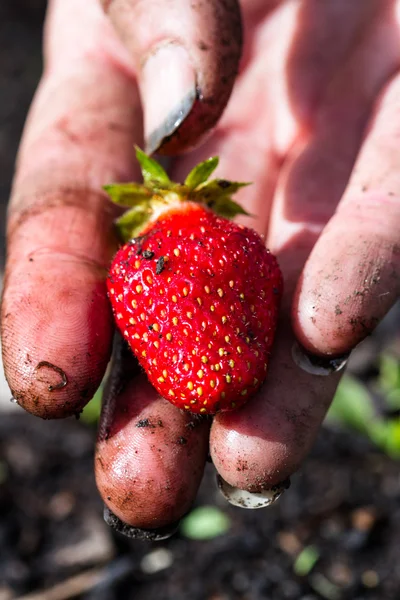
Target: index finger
pixel 57 326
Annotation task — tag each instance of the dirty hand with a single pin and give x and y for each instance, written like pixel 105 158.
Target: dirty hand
pixel 313 121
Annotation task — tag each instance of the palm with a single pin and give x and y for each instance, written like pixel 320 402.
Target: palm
pixel 305 125
pixel 297 116
pixel 294 126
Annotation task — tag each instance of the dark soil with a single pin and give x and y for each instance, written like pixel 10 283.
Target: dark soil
pixel 345 502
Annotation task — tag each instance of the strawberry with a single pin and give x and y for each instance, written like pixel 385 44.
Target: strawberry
pixel 195 295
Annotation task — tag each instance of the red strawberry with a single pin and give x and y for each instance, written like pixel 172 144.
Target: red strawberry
pixel 196 296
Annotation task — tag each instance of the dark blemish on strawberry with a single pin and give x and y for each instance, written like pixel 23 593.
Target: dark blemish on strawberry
pixel 64 378
pixel 275 291
pixel 160 265
pixel 144 423
pixel 138 241
pixel 181 441
pixel 148 254
pixel 337 310
pixel 160 423
pixel 151 327
pixel 31 259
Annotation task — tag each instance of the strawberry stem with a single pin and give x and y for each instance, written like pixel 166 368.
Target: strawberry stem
pixel 146 200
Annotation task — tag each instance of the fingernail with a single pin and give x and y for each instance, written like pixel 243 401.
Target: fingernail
pixel 152 535
pixel 316 365
pixel 245 499
pixel 168 90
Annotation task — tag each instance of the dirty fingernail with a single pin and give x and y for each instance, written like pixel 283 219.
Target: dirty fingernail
pixel 317 365
pixel 168 89
pixel 251 500
pixel 152 535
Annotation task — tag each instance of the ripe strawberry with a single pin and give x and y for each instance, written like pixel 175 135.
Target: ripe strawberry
pixel 195 295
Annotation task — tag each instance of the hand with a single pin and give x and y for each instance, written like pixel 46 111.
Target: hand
pixel 313 122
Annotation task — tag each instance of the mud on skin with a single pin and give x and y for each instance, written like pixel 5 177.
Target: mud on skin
pixel 215 57
pixel 150 451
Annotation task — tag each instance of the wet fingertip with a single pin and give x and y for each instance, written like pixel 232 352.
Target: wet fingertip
pixel 251 500
pixel 317 365
pixel 137 533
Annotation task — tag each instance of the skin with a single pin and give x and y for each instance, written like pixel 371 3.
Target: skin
pixel 313 121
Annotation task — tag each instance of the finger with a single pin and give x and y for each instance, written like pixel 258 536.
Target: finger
pixel 352 277
pixel 282 81
pixel 57 325
pixel 263 443
pixel 150 457
pixel 186 56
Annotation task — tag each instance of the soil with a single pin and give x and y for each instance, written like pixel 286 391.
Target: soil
pixel 345 503
pixel 54 544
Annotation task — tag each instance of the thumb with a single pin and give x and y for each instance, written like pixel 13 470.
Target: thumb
pixel 186 56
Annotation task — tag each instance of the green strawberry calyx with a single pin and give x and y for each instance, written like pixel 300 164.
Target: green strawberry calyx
pixel 146 201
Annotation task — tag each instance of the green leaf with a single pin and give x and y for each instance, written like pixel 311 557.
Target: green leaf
pixel 393 399
pixel 392 441
pixel 325 588
pixel 201 172
pixel 128 194
pixel 352 405
pixel 389 372
pixel 220 187
pixel 228 208
pixel 205 523
pixel 91 412
pixel 386 435
pixel 306 561
pixel 131 223
pixel 216 194
pixel 152 171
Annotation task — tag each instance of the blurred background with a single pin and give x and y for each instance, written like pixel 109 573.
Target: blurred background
pixel 334 535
